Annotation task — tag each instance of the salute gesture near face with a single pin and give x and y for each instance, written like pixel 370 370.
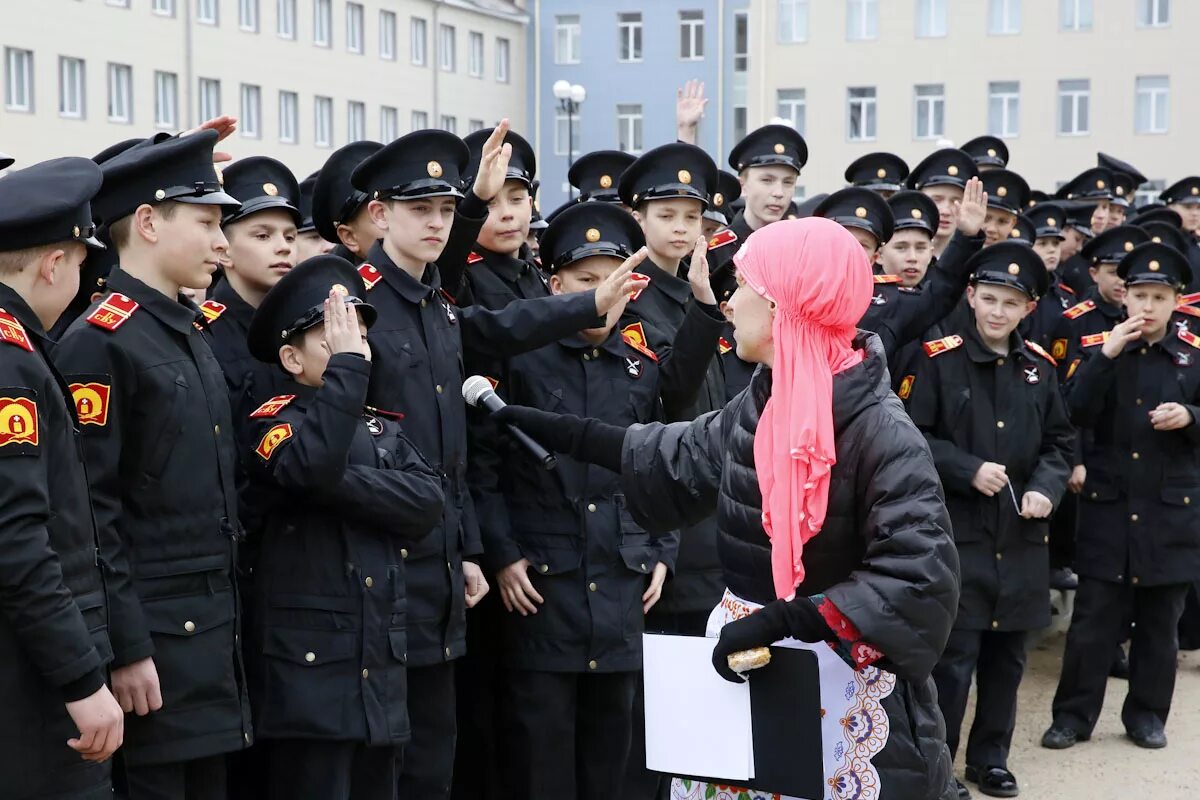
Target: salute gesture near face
pixel 493 166
pixel 969 213
pixel 698 275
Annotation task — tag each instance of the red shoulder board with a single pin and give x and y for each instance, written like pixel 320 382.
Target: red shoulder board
pixel 370 275
pixel 1190 338
pixel 722 238
pixel 887 278
pixel 1037 348
pixel 1078 310
pixel 939 346
pixel 1058 349
pixel 13 332
pixel 1191 311
pixel 1071 369
pixel 1094 339
pixel 272 406
pixel 1189 299
pixel 112 312
pixel 474 258
pixel 212 310
pixel 638 293
pixel 723 345
pixel 1066 288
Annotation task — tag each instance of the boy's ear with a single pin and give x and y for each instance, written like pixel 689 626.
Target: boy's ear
pixel 291 360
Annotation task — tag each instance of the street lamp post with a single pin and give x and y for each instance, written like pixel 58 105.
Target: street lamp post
pixel 569 97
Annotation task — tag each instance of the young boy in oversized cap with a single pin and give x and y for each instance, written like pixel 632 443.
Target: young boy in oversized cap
pixel 59 723
pixel 157 434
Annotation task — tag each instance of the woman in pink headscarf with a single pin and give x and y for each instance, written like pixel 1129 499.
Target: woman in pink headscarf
pixel 833 528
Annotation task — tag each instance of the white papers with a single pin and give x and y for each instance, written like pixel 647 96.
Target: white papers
pixel 697 723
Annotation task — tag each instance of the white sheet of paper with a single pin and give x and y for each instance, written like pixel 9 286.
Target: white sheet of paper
pixel 697 723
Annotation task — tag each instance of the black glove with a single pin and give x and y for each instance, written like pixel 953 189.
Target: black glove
pixel 776 620
pixel 585 439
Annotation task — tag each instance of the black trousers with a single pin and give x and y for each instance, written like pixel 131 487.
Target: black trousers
pixel 1062 532
pixel 567 734
pixel 479 681
pixel 304 769
pixel 1096 628
pixel 199 779
pixel 1189 623
pixel 429 757
pixel 996 659
pixel 640 783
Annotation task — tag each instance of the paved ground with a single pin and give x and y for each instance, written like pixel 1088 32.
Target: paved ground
pixel 1109 767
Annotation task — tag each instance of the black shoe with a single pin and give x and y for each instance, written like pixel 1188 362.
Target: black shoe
pixel 993 781
pixel 1120 665
pixel 963 792
pixel 1149 737
pixel 1059 737
pixel 1063 580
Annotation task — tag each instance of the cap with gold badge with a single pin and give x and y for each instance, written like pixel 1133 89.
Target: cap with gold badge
pixel 335 201
pixel 859 208
pixel 880 172
pixel 945 167
pixel 1012 264
pixel 1154 262
pixel 1095 184
pixel 589 229
pixel 672 171
pixel 1185 192
pixel 262 183
pixel 721 209
pixel 1112 245
pixel 597 175
pixel 1048 220
pixel 427 163
pixel 1006 190
pixel 48 203
pixel 914 210
pixel 987 152
pixel 770 145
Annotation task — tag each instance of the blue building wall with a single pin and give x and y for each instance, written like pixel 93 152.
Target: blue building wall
pixel 651 83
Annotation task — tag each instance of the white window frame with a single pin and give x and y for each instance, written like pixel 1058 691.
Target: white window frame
pixel 474 125
pixel 1148 192
pixel 248 15
pixel 631 127
pixel 560 133
pixel 164 8
pixel 250 121
pixel 117 3
pixel 793 21
pixel 1080 99
pixel 120 93
pixel 630 36
pixel 208 12
pixel 691 34
pixel 568 39
pixel 1157 100
pixel 418 41
pixel 1009 108
pixel 447 47
pixel 1071 15
pixel 868 111
pixel 475 54
pixel 503 59
pixel 419 120
pixel 387 35
pixel 927 98
pixel 1153 13
pixel 285 19
pixel 867 29
pixel 166 100
pixel 449 123
pixel 791 104
pixel 289 117
pixel 356 120
pixel 355 28
pixel 323 23
pixel 208 98
pixel 932 19
pixel 1004 17
pixel 322 121
pixel 18 88
pixel 72 87
pixel 389 124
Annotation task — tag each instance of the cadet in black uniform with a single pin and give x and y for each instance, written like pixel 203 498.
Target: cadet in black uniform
pixel 1076 233
pixel 596 175
pixel 1139 534
pixel 154 412
pixel 1007 197
pixel 943 176
pixel 1183 197
pixel 884 173
pixel 309 242
pixel 988 153
pixel 414 184
pixel 59 724
pixel 575 573
pixel 1046 220
pixel 989 406
pixel 339 211
pixel 1094 187
pixel 344 492
pixel 1127 179
pixel 719 214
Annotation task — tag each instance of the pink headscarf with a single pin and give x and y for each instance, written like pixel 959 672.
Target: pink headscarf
pixel 820 281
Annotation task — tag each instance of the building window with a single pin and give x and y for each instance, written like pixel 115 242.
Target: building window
pixel 474 125
pixel 118 3
pixel 792 105
pixel 71 87
pixel 166 100
pixel 629 37
pixel 389 124
pixel 18 87
pixel 691 35
pixel 1004 17
pixel 502 60
pixel 250 122
pixel 1148 192
pixel 323 121
pixel 354 27
pixel 1004 109
pixel 449 123
pixel 420 120
pixel 289 117
pixel 741 121
pixel 793 21
pixel 418 38
pixel 206 11
pixel 562 134
pixel 1154 13
pixel 741 41
pixel 120 93
pixel 629 128
pixel 1074 107
pixel 1075 15
pixel 930 112
pixel 285 19
pixel 387 35
pixel 164 7
pixel 356 121
pixel 567 33
pixel 475 54
pixel 860 118
pixel 210 98
pixel 322 22
pixel 862 19
pixel 1152 104
pixel 248 15
pixel 446 56
pixel 931 18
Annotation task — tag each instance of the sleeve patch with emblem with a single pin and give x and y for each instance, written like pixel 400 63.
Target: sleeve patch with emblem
pixel 271 440
pixel 906 386
pixel 91 402
pixel 18 422
pixel 635 336
pixel 13 332
pixel 113 312
pixel 1058 349
pixel 939 346
pixel 272 406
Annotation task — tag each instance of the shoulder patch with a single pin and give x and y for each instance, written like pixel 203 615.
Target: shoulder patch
pixel 113 312
pixel 1189 299
pixel 370 275
pixel 1094 339
pixel 723 345
pixel 887 278
pixel 635 336
pixel 1074 366
pixel 943 345
pixel 1058 349
pixel 1191 311
pixel 91 402
pixel 13 332
pixel 212 310
pixel 272 406
pixel 906 385
pixel 1037 348
pixel 18 422
pixel 722 238
pixel 1066 288
pixel 1190 338
pixel 474 258
pixel 1079 309
pixel 271 440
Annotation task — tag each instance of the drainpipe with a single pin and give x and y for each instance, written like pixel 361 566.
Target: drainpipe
pixel 188 77
pixel 436 65
pixel 537 77
pixel 722 74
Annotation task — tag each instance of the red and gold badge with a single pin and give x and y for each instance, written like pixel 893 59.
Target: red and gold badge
pixel 13 332
pixel 272 406
pixel 1059 349
pixel 91 402
pixel 18 421
pixel 906 387
pixel 273 438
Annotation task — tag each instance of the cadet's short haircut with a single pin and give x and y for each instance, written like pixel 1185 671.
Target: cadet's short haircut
pixel 121 230
pixel 14 261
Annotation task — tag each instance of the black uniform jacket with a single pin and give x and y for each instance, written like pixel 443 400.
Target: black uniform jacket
pixel 343 494
pixel 159 447
pixel 975 405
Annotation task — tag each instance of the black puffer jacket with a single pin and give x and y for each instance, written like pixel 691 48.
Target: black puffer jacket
pixel 885 557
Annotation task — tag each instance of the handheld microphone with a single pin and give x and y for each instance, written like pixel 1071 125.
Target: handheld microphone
pixel 477 391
